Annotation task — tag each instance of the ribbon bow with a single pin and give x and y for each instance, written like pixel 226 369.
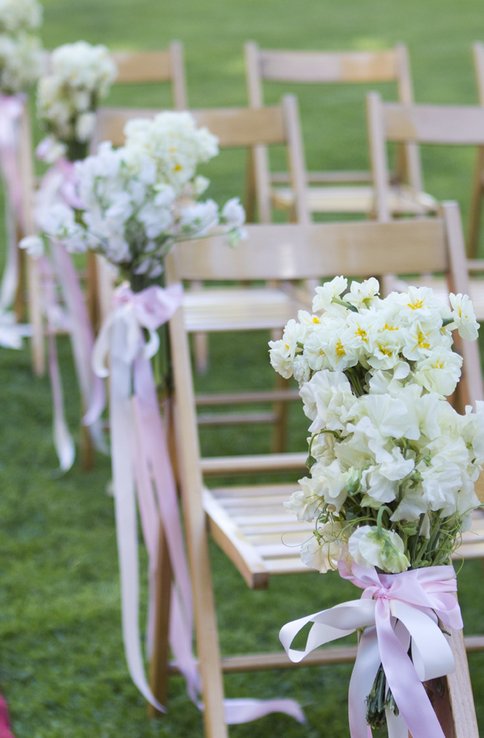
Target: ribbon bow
pixel 142 469
pixel 133 312
pixel 397 612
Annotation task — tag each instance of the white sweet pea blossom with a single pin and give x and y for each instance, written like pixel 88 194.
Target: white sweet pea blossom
pixel 324 552
pixel 79 77
pixel 371 546
pixel 464 316
pixel 20 61
pixel 19 15
pixel 363 294
pixel 127 204
pixel 327 400
pixel 325 295
pixel 392 465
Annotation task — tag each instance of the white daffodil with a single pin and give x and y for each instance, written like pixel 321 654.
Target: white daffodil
pixel 464 316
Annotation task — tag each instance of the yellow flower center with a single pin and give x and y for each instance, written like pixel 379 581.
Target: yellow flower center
pixel 439 364
pixel 416 305
pixel 361 333
pixel 385 350
pixel 340 349
pixel 422 340
pixel 315 319
pixel 388 327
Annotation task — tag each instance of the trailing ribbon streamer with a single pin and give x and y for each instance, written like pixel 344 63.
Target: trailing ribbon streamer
pixel 11 109
pixel 397 612
pixel 56 319
pixel 82 337
pixel 58 185
pixel 142 469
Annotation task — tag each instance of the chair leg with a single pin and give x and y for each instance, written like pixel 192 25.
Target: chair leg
pixel 250 198
pixel 281 410
pixel 92 277
pixel 476 206
pixel 20 306
pixel 200 347
pixel 86 445
pixel 460 720
pixel 35 308
pixel 160 654
pixel 207 643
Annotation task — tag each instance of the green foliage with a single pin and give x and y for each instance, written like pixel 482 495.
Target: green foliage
pixel 61 666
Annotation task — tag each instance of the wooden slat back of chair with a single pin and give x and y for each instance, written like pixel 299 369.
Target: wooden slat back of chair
pixel 434 124
pixel 418 124
pixel 166 65
pixel 354 67
pixel 291 252
pixel 323 66
pixel 234 128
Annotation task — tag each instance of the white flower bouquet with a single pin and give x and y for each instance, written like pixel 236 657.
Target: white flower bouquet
pixel 133 203
pixel 20 48
pixel 79 77
pixel 392 465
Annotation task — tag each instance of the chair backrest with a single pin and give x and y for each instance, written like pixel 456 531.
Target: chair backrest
pixel 293 251
pixel 421 124
pixel 166 65
pixel 276 125
pixel 351 67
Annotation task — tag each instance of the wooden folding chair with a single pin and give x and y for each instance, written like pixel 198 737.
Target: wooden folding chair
pixel 341 191
pixel 165 65
pixel 248 520
pixel 422 124
pixel 478 183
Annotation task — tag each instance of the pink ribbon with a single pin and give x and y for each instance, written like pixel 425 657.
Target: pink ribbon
pixel 397 611
pixel 56 319
pixel 142 470
pixel 11 109
pixel 5 731
pixel 82 337
pixel 59 184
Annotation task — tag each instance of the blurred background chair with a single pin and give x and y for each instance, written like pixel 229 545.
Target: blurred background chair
pixel 154 67
pixel 453 125
pixel 339 191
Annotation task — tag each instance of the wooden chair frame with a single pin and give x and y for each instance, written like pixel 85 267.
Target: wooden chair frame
pixel 475 214
pixel 452 125
pixel 284 252
pixel 166 65
pixel 340 191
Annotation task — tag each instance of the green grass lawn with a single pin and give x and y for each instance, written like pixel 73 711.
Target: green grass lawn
pixel 62 667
